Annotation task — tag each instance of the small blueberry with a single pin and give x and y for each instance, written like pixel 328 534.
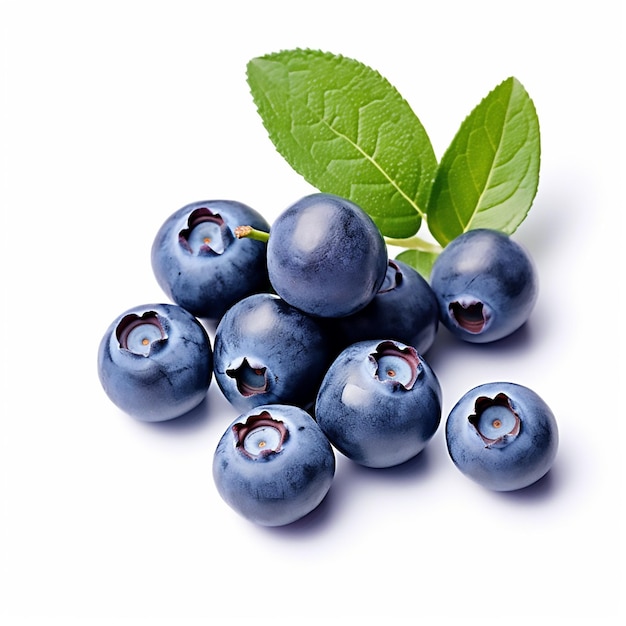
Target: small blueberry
pixel 379 403
pixel 502 435
pixel 200 263
pixel 273 465
pixel 155 362
pixel 486 285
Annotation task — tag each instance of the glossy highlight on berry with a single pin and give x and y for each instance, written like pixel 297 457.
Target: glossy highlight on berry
pixel 325 256
pixel 379 403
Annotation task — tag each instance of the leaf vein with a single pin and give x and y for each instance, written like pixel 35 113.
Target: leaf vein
pixel 377 166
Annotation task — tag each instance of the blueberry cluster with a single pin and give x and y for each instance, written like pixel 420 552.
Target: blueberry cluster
pixel 319 345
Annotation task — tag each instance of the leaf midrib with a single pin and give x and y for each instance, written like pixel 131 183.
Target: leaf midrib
pixel 496 150
pixel 371 160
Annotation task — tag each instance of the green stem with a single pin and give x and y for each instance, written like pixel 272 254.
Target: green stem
pixel 251 233
pixel 411 243
pixel 414 243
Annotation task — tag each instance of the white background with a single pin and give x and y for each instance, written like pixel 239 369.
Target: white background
pixel 115 114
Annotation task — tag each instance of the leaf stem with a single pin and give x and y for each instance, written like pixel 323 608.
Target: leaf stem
pixel 251 233
pixel 411 243
pixel 414 243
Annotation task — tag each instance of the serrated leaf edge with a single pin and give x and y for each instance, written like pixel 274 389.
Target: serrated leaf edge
pixel 393 183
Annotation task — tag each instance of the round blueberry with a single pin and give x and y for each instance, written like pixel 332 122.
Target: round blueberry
pixel 155 362
pixel 267 352
pixel 379 403
pixel 485 284
pixel 200 263
pixel 273 465
pixel 405 308
pixel 326 256
pixel 502 435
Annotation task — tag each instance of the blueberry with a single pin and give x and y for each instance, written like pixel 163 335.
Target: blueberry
pixel 405 308
pixel 200 263
pixel 273 465
pixel 326 256
pixel 379 403
pixel 502 435
pixel 486 285
pixel 268 352
pixel 155 362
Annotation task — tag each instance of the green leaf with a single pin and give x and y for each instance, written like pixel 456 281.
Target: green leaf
pixel 421 260
pixel 489 175
pixel 347 131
